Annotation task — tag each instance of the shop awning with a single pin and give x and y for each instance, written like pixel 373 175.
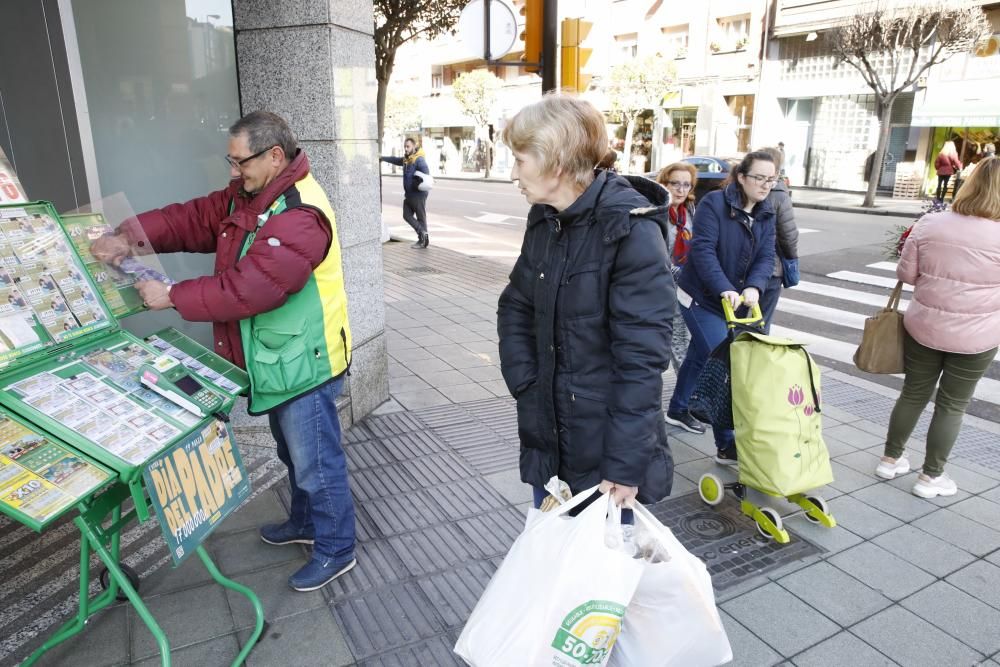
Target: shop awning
pixel 957 111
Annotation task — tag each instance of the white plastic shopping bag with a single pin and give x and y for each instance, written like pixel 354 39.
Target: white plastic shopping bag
pixel 558 598
pixel 672 619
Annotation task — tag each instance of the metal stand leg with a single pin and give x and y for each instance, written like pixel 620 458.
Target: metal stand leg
pixel 258 609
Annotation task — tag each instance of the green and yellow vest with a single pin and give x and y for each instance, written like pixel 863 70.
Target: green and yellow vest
pixel 306 341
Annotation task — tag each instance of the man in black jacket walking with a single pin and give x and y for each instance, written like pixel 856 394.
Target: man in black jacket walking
pixel 414 199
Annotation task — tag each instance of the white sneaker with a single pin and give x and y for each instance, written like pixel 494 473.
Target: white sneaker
pixel 887 470
pixel 931 487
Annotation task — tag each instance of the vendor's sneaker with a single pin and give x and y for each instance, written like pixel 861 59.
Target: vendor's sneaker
pixel 932 487
pixel 284 533
pixel 686 422
pixel 726 457
pixel 318 573
pixel 887 470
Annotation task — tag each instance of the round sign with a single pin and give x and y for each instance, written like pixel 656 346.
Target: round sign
pixel 503 28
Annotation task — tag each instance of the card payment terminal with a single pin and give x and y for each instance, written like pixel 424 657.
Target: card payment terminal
pixel 169 378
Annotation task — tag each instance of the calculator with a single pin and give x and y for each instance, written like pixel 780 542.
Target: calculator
pixel 170 379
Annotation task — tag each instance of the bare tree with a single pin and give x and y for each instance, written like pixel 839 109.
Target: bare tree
pixel 399 21
pixel 893 45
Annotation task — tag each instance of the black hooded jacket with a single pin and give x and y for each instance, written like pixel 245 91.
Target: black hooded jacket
pixel 585 327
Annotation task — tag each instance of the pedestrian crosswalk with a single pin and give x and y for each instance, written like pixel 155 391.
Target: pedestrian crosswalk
pixel 830 315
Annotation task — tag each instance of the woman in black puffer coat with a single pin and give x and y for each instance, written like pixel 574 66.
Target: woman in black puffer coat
pixel 584 323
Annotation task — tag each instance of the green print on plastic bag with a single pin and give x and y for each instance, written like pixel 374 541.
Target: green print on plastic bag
pixel 588 633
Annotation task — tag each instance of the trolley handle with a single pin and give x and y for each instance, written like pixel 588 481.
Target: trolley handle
pixel 755 313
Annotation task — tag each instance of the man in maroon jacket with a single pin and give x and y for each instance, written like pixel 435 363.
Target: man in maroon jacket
pixel 278 290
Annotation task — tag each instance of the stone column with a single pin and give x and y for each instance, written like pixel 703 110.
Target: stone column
pixel 313 63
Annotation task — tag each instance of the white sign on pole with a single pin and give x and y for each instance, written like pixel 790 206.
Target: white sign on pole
pixel 503 28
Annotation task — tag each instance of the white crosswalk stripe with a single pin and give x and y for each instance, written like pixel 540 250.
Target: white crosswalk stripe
pixel 807 311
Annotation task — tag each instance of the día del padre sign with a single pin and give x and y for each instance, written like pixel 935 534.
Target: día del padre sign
pixel 195 485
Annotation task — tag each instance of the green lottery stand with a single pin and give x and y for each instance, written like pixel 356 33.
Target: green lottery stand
pixel 79 433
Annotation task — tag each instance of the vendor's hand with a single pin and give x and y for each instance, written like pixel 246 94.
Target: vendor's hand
pixel 624 496
pixel 155 295
pixel 751 295
pixel 111 249
pixel 733 298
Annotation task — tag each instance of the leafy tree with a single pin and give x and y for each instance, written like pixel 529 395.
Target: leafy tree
pixel 399 21
pixel 893 46
pixel 402 113
pixel 476 93
pixel 635 86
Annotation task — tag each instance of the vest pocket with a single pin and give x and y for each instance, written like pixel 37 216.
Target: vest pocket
pixel 282 363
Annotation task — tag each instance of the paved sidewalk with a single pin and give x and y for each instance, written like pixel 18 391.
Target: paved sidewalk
pixel 901 580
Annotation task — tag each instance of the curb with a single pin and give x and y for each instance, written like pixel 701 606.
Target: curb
pixel 856 209
pixel 470 179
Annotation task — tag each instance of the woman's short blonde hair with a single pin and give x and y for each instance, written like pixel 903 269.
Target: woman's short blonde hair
pixel 979 195
pixel 566 135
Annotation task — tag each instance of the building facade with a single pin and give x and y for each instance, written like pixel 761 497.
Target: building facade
pixel 123 106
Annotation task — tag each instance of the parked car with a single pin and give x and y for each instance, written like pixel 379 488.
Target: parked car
pixel 711 172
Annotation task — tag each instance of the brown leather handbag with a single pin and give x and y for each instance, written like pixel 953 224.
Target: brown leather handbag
pixel 881 349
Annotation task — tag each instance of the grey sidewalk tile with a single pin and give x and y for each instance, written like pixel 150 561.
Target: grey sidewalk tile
pixel 959 614
pixel 306 640
pixel 832 540
pixel 842 649
pixel 403 357
pixel 684 453
pixel 378 565
pixel 848 480
pixel 979 509
pixel 168 579
pixel 970 480
pixel 278 600
pixel 899 504
pixel 245 552
pixel 398 370
pixel 871 427
pixel 509 485
pixel 414 332
pixel 424 398
pixel 924 550
pixel 219 651
pixel 992 495
pixel 462 393
pixel 748 649
pixel 409 383
pixel 386 619
pixel 975 467
pixel 103 642
pixel 888 574
pixel 839 596
pixel 974 537
pixel 465 498
pixel 445 378
pixel 681 486
pixel 836 448
pixel 496 387
pixel 483 373
pixel 423 552
pixel 186 617
pixel 383 517
pixel 454 593
pixel 839 414
pixel 860 460
pixel 388 407
pixel 905 484
pixel 436 652
pixel 980 579
pixel 854 436
pixel 788 623
pixel 263 509
pixel 426 367
pixel 912 641
pixel 492 534
pixel 693 470
pixel 861 519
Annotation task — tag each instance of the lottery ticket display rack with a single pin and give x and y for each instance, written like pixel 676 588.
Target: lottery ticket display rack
pixel 81 435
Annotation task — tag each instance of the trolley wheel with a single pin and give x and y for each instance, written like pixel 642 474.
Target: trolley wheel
pixel 132 575
pixel 711 489
pixel 775 518
pixel 821 504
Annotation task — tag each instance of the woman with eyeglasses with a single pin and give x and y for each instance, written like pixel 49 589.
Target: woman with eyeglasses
pixel 679 179
pixel 786 243
pixel 731 256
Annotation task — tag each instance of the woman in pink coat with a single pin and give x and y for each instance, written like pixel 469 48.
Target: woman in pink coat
pixel 952 324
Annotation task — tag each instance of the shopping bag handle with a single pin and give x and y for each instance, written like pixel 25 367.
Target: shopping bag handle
pixel 755 313
pixel 894 296
pixel 567 506
pixel 646 518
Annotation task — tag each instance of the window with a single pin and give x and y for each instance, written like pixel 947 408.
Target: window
pixel 675 41
pixel 626 47
pixel 734 32
pixel 437 77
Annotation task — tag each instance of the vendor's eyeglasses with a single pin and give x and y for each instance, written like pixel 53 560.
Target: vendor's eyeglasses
pixel 679 185
pixel 760 178
pixel 236 164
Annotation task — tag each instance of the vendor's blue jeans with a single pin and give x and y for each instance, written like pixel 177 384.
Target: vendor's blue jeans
pixel 307 430
pixel 708 329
